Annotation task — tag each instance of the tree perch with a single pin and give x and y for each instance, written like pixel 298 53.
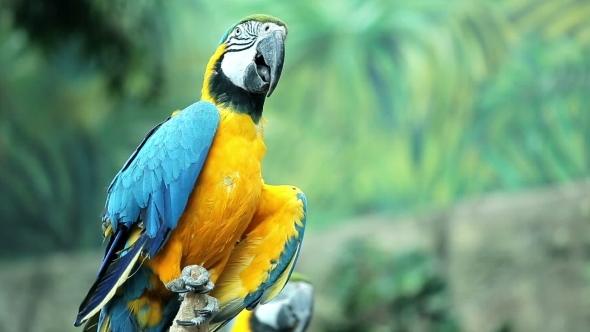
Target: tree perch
pixel 192 301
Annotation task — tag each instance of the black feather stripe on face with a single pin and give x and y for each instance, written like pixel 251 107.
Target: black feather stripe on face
pixel 260 18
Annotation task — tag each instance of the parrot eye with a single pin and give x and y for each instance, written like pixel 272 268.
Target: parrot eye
pixel 238 31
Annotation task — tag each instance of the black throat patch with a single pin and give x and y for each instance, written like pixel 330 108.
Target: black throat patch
pixel 224 92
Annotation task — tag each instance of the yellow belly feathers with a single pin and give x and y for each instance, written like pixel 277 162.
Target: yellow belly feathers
pixel 222 204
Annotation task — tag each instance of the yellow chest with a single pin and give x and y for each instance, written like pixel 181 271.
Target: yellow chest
pixel 226 195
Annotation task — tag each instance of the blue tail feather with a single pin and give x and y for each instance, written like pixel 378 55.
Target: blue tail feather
pixel 112 270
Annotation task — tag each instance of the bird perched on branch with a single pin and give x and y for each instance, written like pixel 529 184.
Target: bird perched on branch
pixel 290 311
pixel 192 194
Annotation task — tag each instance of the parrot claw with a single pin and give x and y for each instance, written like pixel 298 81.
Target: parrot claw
pixel 204 312
pixel 193 322
pixel 203 315
pixel 201 289
pixel 186 283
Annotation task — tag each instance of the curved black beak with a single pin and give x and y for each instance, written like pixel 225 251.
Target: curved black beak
pixel 272 49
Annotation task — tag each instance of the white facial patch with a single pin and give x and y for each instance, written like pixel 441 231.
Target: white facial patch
pixel 234 64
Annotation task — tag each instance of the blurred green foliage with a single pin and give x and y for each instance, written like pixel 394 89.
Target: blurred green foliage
pixel 383 106
pixel 114 35
pixel 383 292
pixel 402 292
pixel 59 89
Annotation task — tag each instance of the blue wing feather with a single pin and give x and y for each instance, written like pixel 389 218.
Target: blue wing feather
pixel 162 172
pixel 151 191
pixel 107 280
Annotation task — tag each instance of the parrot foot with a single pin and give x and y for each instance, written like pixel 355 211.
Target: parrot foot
pixel 202 315
pixel 186 283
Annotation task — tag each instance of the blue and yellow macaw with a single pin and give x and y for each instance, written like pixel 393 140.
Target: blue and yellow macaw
pixel 192 194
pixel 290 311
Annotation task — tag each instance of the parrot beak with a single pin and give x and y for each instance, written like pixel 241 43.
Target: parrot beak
pixel 262 76
pixel 272 50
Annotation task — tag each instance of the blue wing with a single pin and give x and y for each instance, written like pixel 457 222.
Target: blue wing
pixel 147 197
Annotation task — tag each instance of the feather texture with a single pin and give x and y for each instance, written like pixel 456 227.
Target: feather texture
pixel 149 195
pixel 259 267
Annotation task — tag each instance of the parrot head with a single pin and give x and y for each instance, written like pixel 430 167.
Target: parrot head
pixel 290 311
pixel 248 63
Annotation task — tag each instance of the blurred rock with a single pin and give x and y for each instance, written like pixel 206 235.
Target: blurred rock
pixel 43 294
pixel 519 258
pixel 523 259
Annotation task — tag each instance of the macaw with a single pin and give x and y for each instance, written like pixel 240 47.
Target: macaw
pixel 192 194
pixel 290 311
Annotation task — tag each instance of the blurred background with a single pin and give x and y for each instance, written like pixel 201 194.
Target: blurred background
pixel 442 144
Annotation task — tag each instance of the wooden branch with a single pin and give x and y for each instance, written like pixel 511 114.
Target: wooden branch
pixel 186 312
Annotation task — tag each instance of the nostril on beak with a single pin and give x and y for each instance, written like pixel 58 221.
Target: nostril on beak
pixel 259 60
